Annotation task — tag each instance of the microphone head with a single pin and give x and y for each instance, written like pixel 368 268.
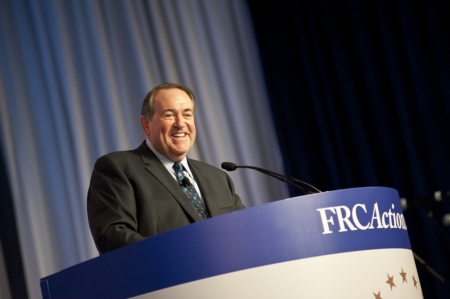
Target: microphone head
pixel 229 166
pixel 186 181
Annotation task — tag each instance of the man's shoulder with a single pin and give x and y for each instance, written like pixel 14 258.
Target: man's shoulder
pixel 124 155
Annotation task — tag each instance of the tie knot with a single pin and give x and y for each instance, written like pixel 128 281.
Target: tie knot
pixel 178 167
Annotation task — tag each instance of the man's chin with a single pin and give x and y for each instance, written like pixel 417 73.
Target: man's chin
pixel 178 155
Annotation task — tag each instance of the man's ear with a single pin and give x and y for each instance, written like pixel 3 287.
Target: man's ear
pixel 145 125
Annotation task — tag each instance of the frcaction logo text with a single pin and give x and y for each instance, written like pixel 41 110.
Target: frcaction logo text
pixel 349 218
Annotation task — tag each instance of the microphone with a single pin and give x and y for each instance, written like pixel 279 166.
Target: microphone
pixel 437 196
pixel 185 181
pixel 229 166
pixel 295 182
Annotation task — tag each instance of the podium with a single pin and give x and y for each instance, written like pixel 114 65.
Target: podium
pixel 350 243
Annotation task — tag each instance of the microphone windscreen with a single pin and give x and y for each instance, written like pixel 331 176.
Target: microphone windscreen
pixel 229 166
pixel 186 181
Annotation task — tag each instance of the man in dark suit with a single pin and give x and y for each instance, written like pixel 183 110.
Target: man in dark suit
pixel 138 193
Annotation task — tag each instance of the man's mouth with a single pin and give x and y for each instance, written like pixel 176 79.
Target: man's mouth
pixel 178 135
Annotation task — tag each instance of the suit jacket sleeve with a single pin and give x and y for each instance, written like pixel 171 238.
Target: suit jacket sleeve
pixel 111 206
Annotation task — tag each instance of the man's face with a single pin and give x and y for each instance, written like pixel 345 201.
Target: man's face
pixel 172 128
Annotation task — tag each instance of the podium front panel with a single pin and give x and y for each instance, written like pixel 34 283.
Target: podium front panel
pixel 349 243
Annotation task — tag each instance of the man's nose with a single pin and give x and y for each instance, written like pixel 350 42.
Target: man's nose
pixel 179 122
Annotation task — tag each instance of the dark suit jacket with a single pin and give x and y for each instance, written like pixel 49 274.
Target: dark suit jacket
pixel 132 196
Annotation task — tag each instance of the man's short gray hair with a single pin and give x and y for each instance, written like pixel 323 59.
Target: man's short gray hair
pixel 148 106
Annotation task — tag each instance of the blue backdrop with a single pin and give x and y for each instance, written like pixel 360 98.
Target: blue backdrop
pixel 73 75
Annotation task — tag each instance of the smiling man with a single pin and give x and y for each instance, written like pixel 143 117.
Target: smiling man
pixel 155 188
pixel 170 127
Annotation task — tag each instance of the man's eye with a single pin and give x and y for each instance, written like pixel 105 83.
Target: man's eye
pixel 189 115
pixel 168 115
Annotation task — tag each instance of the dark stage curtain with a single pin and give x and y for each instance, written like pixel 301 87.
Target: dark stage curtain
pixel 360 94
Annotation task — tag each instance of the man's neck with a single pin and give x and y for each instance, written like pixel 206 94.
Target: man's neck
pixel 158 154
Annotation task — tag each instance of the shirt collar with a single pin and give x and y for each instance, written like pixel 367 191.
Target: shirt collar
pixel 166 161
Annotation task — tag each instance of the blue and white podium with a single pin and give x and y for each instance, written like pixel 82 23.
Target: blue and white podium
pixel 349 243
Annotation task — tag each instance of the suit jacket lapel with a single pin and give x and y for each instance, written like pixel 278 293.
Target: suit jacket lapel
pixel 157 169
pixel 206 186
